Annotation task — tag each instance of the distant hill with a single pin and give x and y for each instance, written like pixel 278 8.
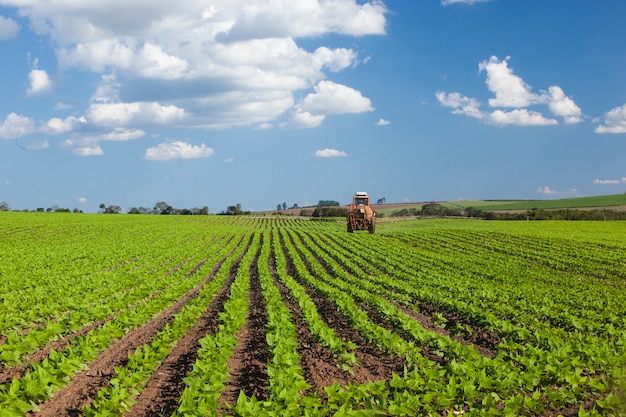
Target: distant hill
pixel 615 202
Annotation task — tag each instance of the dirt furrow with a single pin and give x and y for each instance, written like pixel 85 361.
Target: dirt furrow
pixel 484 340
pixel 248 363
pixel 373 363
pixel 318 363
pixel 70 399
pixel 162 392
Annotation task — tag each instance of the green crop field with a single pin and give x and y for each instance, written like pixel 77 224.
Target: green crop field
pixel 148 315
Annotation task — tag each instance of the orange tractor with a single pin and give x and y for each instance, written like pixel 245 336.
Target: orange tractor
pixel 360 214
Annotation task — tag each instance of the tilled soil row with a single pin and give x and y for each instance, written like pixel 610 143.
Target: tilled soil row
pixel 70 400
pixel 318 363
pixel 373 363
pixel 18 371
pixel 427 322
pixel 484 341
pixel 163 390
pixel 479 336
pixel 248 363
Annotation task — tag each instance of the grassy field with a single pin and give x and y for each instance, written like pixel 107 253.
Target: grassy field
pixel 147 315
pixel 501 205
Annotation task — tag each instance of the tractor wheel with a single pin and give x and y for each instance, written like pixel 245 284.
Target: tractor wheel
pixel 349 227
pixel 372 227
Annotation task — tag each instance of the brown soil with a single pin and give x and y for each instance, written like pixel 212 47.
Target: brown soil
pixel 161 393
pixel 479 335
pixel 70 400
pixel 373 363
pixel 247 365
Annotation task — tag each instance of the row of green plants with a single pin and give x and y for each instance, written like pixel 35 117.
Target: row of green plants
pixel 552 298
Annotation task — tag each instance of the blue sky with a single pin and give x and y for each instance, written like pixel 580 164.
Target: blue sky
pixel 262 102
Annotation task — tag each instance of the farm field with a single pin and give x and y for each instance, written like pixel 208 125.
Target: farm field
pixel 147 315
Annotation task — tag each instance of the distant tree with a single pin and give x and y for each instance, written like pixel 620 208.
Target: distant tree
pixel 473 212
pixel 327 203
pixel 162 208
pixel 4 206
pixel 329 211
pixel 284 206
pixel 234 210
pixel 133 210
pixel 295 206
pixel 279 207
pixel 113 210
pixel 102 207
pixel 40 210
pixel 433 209
pixel 381 201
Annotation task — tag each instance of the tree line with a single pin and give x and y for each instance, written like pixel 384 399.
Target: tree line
pixel 438 210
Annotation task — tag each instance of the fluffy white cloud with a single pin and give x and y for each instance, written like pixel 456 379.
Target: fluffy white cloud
pixel 460 103
pixel 8 28
pixel 332 98
pixel 116 114
pixel 303 119
pixel 223 64
pixel 329 153
pixel 39 82
pixel 511 91
pixel 57 125
pixel 15 125
pixel 519 117
pixel 82 200
pixel 614 121
pixel 304 18
pixel 178 150
pixel 561 105
pixel 383 122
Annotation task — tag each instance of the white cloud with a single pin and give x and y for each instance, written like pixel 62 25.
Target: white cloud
pixel 510 90
pixel 547 191
pixel 382 122
pixel 332 98
pixel 120 134
pixel 282 18
pixel 39 82
pixel 614 121
pixel 519 117
pixel 461 104
pixel 123 114
pixel 449 2
pixel 606 182
pixel 303 119
pixel 178 150
pixel 56 125
pixel 215 65
pixel 82 200
pixel 8 28
pixel 329 153
pixel 15 125
pixel 561 105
